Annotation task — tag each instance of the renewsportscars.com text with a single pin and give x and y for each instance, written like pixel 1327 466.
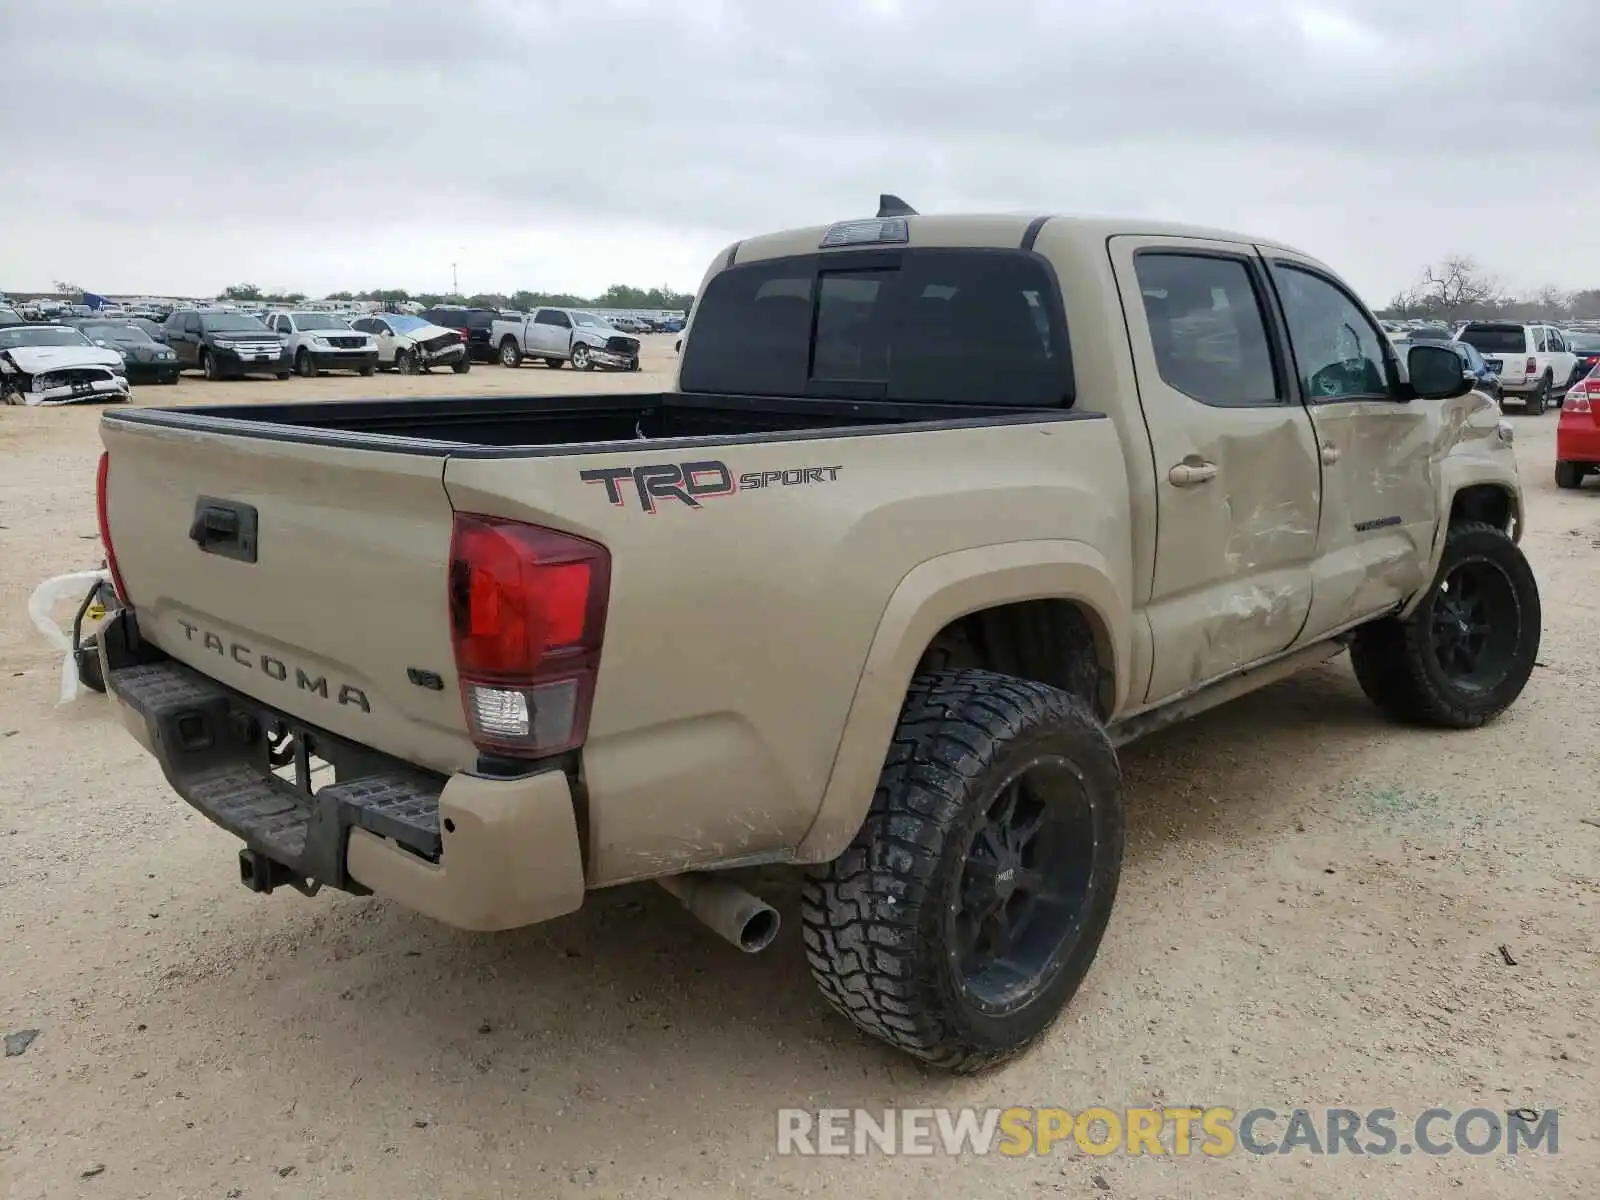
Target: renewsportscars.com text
pixel 1175 1132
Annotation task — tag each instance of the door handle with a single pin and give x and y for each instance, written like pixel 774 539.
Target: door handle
pixel 1330 453
pixel 1187 474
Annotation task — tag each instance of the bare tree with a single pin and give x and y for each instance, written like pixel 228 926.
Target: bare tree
pixel 1552 301
pixel 1405 303
pixel 1452 287
pixel 1586 304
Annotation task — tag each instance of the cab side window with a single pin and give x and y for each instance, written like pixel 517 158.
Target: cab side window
pixel 1207 330
pixel 1337 351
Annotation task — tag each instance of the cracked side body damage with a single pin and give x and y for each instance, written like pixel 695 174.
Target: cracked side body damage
pixel 1475 473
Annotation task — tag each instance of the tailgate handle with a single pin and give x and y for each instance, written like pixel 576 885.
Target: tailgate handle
pixel 224 527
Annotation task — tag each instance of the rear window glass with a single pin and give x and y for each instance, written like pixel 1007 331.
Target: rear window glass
pixel 1495 339
pixel 933 326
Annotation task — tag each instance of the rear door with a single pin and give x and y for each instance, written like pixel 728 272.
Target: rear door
pixel 1235 458
pixel 1379 486
pixel 549 332
pixel 1562 360
pixel 340 598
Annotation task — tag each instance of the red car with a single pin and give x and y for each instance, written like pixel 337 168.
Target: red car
pixel 1578 433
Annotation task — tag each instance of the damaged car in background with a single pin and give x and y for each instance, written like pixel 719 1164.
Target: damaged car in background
pixel 411 345
pixel 52 365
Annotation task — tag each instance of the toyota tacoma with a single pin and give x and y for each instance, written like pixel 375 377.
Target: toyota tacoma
pixel 941 511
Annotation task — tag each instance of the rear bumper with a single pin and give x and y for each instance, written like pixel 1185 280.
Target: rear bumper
pixel 343 360
pixel 1578 438
pixel 471 851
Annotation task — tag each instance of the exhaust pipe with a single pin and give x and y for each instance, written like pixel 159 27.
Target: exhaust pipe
pixel 747 921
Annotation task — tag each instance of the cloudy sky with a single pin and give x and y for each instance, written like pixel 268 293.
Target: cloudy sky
pixel 177 147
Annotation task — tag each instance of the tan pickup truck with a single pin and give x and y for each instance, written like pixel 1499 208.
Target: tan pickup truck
pixel 942 510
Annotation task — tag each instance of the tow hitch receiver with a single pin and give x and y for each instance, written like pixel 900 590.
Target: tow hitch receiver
pixel 261 874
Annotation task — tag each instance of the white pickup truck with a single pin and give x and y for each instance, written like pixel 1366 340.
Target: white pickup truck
pixel 1534 362
pixel 557 335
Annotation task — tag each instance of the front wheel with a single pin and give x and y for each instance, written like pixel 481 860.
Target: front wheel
pixel 208 366
pixel 1466 652
pixel 405 362
pixel 966 912
pixel 462 367
pixel 303 366
pixel 580 358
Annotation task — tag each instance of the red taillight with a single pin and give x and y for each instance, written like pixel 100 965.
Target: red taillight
pixel 1583 395
pixel 102 476
pixel 527 614
pixel 1533 365
pixel 466 334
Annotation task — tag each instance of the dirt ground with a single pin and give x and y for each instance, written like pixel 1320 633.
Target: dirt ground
pixel 1311 913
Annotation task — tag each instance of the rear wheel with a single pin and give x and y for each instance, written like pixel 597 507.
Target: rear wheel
pixel 966 912
pixel 1538 398
pixel 510 354
pixel 1466 652
pixel 1570 474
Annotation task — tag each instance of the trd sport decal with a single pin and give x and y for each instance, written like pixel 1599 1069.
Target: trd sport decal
pixel 691 482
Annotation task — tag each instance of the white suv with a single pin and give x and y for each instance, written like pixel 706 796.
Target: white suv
pixel 1534 362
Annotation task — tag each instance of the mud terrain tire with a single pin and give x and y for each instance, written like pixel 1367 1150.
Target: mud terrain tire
pixel 893 928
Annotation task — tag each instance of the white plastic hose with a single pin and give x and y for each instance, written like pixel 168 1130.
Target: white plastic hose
pixel 46 597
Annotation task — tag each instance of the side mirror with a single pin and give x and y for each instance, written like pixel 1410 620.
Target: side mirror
pixel 1437 373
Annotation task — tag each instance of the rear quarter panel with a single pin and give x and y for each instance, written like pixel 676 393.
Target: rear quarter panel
pixel 739 627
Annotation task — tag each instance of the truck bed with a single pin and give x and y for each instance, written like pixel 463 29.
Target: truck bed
pixel 524 426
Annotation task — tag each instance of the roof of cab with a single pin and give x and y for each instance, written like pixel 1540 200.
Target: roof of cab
pixel 992 229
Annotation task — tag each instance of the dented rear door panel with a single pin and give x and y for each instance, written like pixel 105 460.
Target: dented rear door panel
pixel 1234 552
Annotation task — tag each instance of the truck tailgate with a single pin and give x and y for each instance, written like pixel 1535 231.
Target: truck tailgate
pixel 344 608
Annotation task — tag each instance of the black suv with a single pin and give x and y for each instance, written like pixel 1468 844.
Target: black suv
pixel 473 324
pixel 224 344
